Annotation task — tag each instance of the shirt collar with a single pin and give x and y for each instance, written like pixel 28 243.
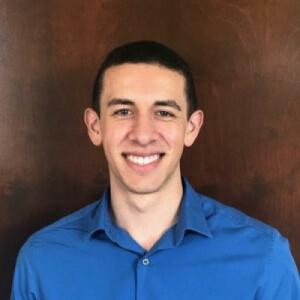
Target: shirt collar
pixel 191 216
pixel 101 219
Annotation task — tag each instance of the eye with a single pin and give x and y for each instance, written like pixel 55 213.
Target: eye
pixel 164 114
pixel 122 112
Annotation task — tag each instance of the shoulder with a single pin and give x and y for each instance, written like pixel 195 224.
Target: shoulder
pixel 247 234
pixel 225 221
pixel 67 231
pixel 259 246
pixel 241 233
pixel 222 217
pixel 49 248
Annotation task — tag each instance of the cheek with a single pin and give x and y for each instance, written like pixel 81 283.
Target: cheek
pixel 173 135
pixel 113 135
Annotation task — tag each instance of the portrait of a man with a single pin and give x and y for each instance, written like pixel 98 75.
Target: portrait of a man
pixel 152 235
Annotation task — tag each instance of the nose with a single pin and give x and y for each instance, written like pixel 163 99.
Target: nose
pixel 143 131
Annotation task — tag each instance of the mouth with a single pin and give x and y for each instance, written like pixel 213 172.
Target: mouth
pixel 143 160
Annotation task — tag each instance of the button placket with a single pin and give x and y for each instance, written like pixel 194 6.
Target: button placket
pixel 143 273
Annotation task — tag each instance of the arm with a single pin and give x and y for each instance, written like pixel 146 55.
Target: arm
pixel 281 278
pixel 23 281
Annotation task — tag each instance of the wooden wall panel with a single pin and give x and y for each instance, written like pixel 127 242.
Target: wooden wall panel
pixel 245 56
pixel 246 59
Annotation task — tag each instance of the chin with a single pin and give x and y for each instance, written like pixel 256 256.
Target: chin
pixel 143 189
pixel 147 185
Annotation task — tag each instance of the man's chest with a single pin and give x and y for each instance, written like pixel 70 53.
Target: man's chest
pixel 163 275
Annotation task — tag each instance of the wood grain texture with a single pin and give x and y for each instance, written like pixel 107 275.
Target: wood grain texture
pixel 245 57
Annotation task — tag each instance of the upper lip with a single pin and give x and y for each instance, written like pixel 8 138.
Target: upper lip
pixel 142 154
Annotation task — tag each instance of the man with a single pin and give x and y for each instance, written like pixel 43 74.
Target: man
pixel 151 236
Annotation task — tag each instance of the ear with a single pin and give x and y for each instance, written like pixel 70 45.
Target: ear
pixel 195 123
pixel 92 122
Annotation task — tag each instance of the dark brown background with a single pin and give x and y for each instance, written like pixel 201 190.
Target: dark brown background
pixel 245 57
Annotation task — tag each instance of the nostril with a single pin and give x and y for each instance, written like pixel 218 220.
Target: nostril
pixel 142 136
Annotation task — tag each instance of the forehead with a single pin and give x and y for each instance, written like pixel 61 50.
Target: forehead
pixel 143 81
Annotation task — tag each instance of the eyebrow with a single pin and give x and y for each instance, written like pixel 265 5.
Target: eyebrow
pixel 170 103
pixel 117 101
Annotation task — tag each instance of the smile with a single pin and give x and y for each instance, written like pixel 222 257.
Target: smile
pixel 143 160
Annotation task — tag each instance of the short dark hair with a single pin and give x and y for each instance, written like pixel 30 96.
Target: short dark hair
pixel 149 52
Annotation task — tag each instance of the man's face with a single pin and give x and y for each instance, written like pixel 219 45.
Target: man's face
pixel 143 126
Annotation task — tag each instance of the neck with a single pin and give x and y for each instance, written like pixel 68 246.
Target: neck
pixel 146 217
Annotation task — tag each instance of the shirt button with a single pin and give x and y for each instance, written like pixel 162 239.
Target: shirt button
pixel 145 261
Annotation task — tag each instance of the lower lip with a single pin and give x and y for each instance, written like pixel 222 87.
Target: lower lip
pixel 143 168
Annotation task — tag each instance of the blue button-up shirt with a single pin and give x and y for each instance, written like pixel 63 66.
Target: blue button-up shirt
pixel 213 252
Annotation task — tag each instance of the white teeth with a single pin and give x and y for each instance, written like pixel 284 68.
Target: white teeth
pixel 143 160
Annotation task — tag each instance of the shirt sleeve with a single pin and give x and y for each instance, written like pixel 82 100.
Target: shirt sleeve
pixel 23 280
pixel 281 277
